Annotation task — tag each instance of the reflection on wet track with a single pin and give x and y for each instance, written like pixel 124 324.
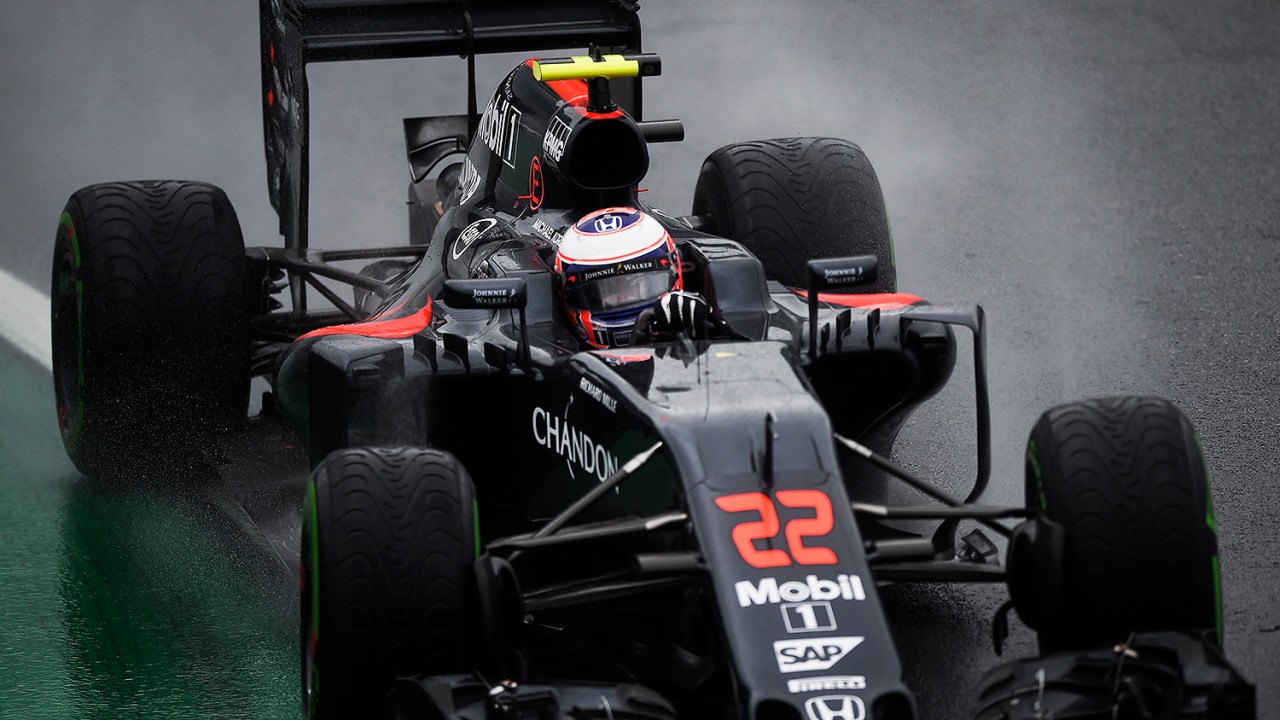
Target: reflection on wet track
pixel 160 613
pixel 145 599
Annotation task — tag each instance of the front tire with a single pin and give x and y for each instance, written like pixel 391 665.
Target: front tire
pixel 149 324
pixel 1125 480
pixel 389 544
pixel 793 200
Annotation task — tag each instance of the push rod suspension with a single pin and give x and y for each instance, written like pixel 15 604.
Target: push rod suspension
pixel 902 474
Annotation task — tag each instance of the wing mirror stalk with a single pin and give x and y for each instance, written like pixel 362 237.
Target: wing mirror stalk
pixel 508 293
pixel 836 274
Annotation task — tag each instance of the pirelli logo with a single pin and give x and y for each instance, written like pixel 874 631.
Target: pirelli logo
pixel 831 682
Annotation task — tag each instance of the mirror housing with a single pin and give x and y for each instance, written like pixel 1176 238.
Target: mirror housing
pixel 487 293
pixel 505 293
pixel 842 273
pixel 838 274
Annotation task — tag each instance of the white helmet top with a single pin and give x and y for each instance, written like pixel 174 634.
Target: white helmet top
pixel 612 265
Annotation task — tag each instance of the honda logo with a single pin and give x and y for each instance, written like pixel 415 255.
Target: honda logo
pixel 608 223
pixel 835 707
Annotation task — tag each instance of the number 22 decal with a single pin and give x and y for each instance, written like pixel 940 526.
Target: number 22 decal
pixel 746 533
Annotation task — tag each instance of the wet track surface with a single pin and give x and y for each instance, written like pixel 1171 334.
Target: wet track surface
pixel 1103 178
pixel 125 602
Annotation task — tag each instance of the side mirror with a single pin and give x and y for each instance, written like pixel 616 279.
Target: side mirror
pixel 487 293
pixel 836 274
pixel 508 293
pixel 842 273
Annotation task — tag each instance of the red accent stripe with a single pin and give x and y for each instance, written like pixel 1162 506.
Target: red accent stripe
pixel 573 92
pixel 584 321
pixel 882 301
pixel 598 116
pixel 401 327
pixel 630 358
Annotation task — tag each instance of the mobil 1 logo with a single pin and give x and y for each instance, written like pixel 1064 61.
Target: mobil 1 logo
pixel 499 129
pixel 808 617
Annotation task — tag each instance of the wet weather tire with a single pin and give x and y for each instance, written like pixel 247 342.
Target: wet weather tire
pixel 792 200
pixel 149 325
pixel 388 551
pixel 1125 480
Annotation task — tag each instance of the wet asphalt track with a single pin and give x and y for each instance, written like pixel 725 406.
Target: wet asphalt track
pixel 1102 177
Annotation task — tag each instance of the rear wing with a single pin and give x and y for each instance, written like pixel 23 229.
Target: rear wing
pixel 296 33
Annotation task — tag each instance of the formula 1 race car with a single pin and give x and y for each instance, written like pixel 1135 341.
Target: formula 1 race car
pixel 512 516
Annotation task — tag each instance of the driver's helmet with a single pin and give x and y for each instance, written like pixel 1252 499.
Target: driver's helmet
pixel 612 265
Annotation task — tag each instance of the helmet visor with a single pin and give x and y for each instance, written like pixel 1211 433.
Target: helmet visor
pixel 619 291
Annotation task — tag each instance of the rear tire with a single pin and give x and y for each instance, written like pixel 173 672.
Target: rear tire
pixel 792 200
pixel 388 550
pixel 149 324
pixel 1125 479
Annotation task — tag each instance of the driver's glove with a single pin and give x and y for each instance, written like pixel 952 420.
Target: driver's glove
pixel 679 311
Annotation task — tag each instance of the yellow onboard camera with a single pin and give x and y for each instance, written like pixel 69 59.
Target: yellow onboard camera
pixel 586 67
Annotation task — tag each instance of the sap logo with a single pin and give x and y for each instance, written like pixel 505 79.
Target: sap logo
pixel 769 591
pixel 815 654
pixel 554 140
pixel 834 682
pixel 835 707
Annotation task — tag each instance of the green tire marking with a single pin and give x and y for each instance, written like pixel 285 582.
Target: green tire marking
pixel 475 523
pixel 1037 473
pixel 1209 518
pixel 71 227
pixel 893 253
pixel 75 256
pixel 1217 597
pixel 1211 521
pixel 72 438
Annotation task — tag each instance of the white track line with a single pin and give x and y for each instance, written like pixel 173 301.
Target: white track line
pixel 26 323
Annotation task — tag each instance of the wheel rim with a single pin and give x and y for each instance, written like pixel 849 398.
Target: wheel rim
pixel 67 342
